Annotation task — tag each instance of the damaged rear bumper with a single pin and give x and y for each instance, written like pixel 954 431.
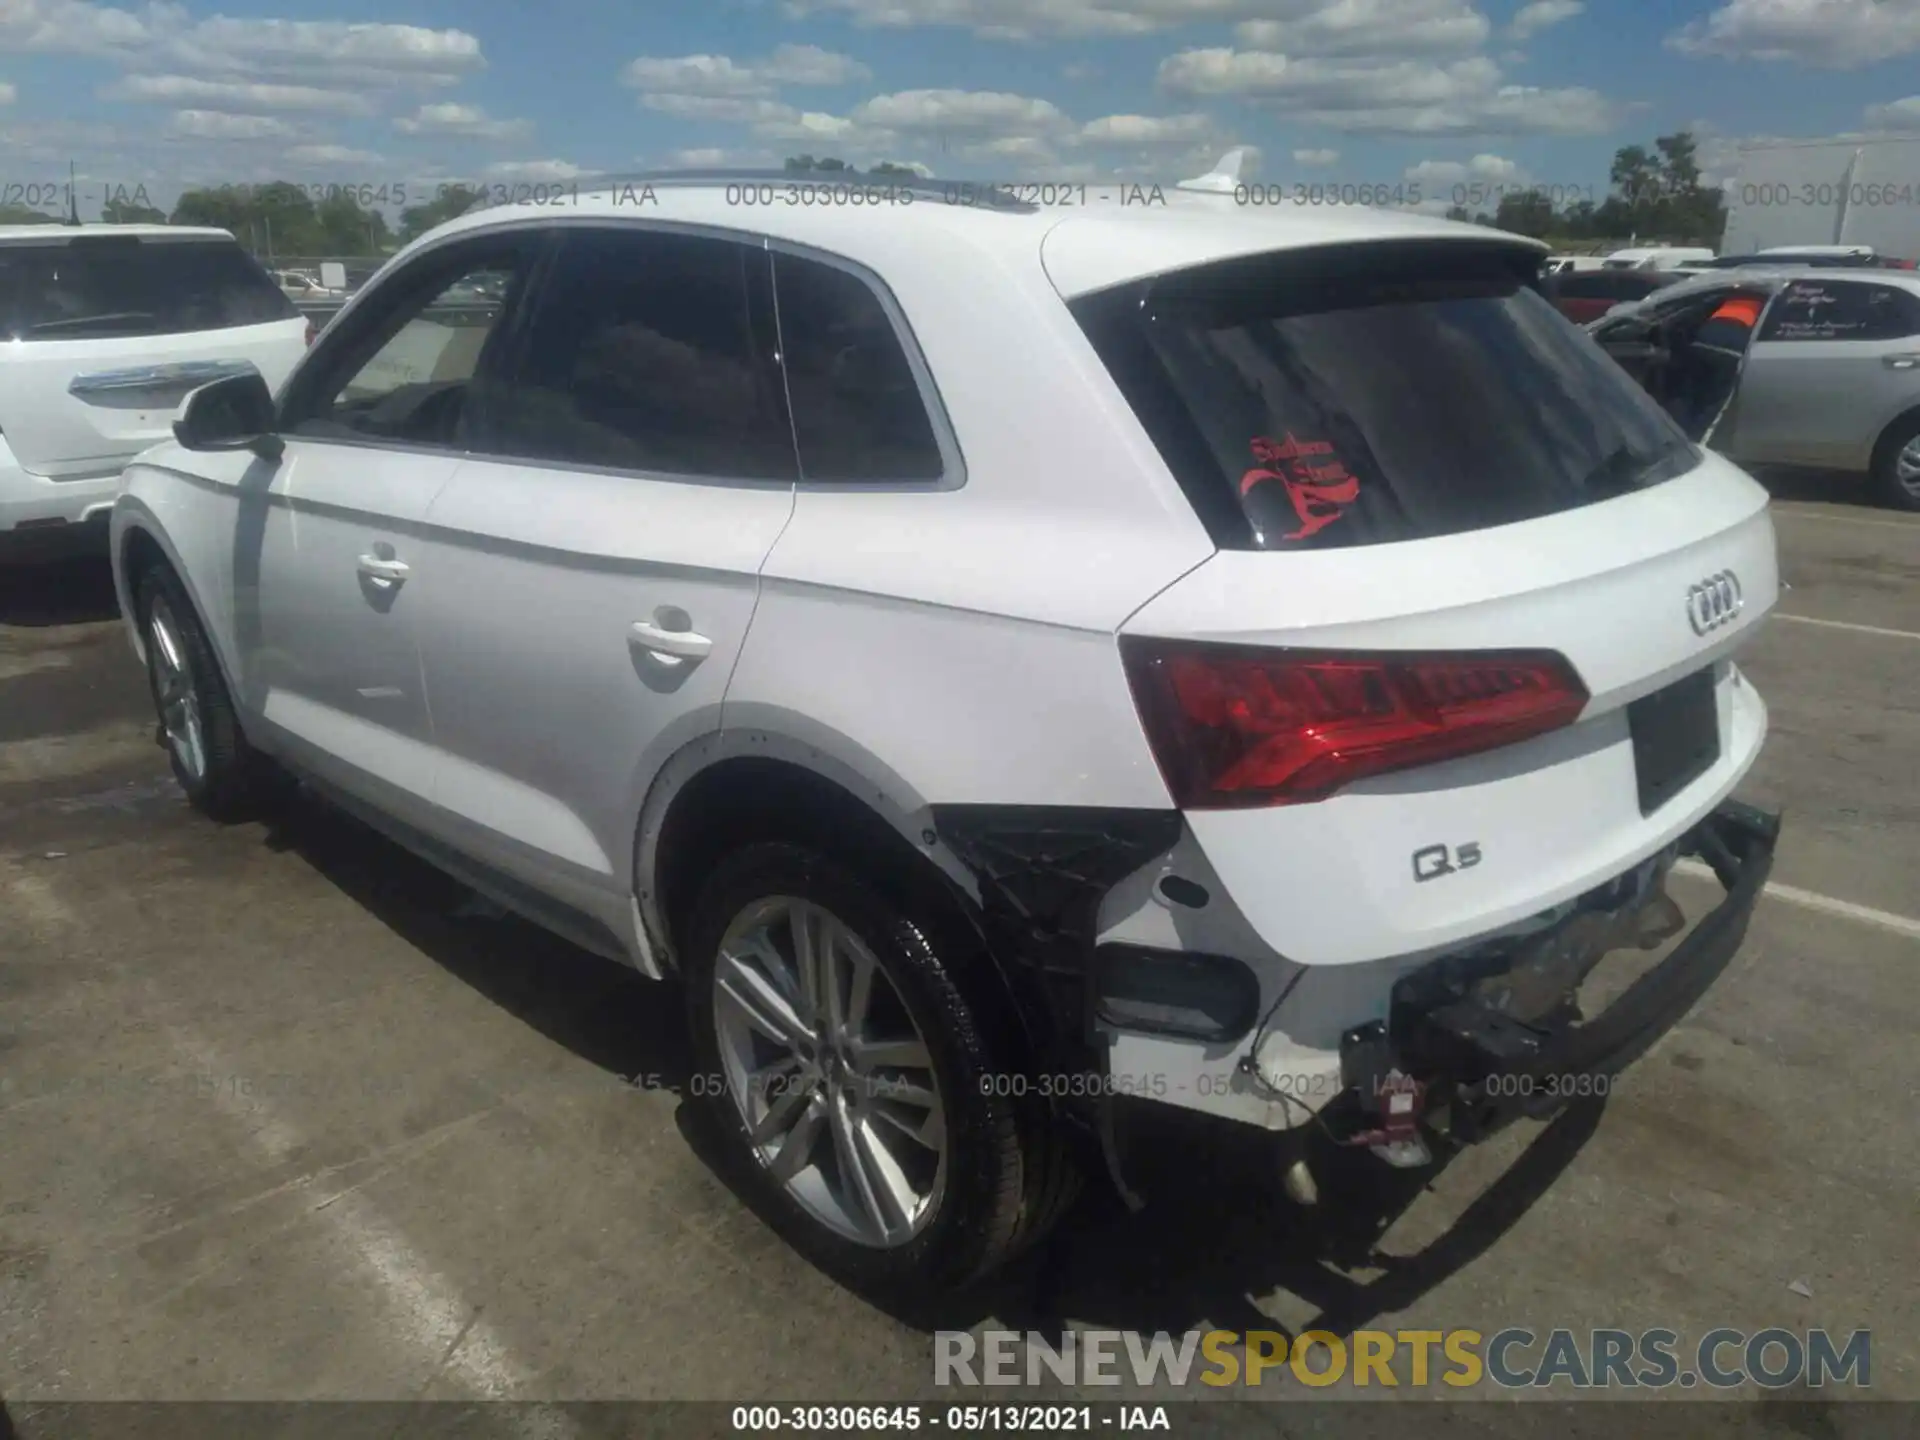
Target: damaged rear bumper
pixel 1475 1069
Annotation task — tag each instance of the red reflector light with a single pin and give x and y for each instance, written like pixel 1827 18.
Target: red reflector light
pixel 1233 727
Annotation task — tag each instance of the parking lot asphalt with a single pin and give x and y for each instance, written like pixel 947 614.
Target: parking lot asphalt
pixel 283 1115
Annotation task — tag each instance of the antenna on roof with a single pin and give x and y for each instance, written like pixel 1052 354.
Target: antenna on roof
pixel 73 197
pixel 1230 171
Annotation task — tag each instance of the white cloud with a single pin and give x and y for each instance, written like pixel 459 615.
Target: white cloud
pixel 313 50
pixel 734 110
pixel 1403 97
pixel 962 113
pixel 534 171
pixel 332 155
pixel 219 125
pixel 810 65
pixel 464 120
pixel 722 76
pixel 1147 131
pixel 1495 169
pixel 1833 34
pixel 1530 20
pixel 1079 70
pixel 192 90
pixel 1376 28
pixel 1081 19
pixel 74 27
pixel 1899 115
pixel 302 52
pixel 810 128
pixel 8 92
pixel 1316 159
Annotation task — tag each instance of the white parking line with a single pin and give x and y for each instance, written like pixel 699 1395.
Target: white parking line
pixel 1849 625
pixel 1824 904
pixel 445 1328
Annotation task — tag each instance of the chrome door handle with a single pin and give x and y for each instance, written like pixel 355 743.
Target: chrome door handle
pixel 672 646
pixel 1900 362
pixel 386 573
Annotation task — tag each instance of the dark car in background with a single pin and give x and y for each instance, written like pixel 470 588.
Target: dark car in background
pixel 1584 295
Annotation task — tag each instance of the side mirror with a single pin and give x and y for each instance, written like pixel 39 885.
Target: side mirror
pixel 231 414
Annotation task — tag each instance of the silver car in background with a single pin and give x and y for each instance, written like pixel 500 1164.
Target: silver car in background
pixel 1830 378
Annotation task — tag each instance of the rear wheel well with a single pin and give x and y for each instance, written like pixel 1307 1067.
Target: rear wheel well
pixel 1892 431
pixel 139 553
pixel 750 799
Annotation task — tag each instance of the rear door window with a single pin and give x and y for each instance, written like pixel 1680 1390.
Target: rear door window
pixel 89 287
pixel 1316 401
pixel 1843 310
pixel 858 414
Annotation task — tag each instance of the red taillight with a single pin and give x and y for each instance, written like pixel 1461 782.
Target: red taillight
pixel 1233 727
pixel 312 330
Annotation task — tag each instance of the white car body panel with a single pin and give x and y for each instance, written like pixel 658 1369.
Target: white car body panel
pixel 954 643
pixel 1605 586
pixel 542 573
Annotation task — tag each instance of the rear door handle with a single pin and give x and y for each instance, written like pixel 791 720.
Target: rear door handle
pixel 1901 362
pixel 387 573
pixel 674 645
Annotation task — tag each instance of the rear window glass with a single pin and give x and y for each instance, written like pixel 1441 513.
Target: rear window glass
pixel 1308 404
pixel 96 287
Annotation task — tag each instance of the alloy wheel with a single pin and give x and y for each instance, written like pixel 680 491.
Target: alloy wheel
pixel 829 1071
pixel 1906 467
pixel 175 692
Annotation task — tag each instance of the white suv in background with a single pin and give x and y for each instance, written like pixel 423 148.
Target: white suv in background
pixel 1013 666
pixel 104 330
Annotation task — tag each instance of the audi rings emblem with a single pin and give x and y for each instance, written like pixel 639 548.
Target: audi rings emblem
pixel 1714 602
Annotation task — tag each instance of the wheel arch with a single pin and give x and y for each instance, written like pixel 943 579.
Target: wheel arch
pixel 139 542
pixel 1888 432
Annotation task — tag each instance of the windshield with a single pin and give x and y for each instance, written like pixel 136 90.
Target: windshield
pixel 1392 396
pixel 103 286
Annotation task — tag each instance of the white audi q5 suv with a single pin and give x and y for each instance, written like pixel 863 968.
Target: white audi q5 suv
pixel 1013 665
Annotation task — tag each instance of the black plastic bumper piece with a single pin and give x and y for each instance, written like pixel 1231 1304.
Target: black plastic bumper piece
pixel 1498 1068
pixel 1042 873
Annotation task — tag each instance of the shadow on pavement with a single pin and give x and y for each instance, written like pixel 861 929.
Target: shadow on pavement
pixel 1217 1231
pixel 606 1013
pixel 44 586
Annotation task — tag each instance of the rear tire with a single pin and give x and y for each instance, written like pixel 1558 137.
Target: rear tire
pixel 225 778
pixel 950 1214
pixel 1896 466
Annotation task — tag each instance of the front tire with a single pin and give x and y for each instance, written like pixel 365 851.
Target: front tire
pixel 1896 466
pixel 223 776
pixel 852 1085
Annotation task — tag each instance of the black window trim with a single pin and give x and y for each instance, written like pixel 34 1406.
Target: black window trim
pixel 371 309
pixel 554 235
pixel 953 464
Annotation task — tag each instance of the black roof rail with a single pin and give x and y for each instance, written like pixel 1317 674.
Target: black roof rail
pixel 977 194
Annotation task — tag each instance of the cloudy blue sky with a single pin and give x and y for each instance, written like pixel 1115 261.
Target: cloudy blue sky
pixel 1344 90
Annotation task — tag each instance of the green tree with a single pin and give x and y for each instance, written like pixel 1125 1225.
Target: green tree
pixel 455 200
pixel 887 167
pixel 125 212
pixel 347 228
pixel 14 214
pixel 1459 212
pixel 826 162
pixel 1526 212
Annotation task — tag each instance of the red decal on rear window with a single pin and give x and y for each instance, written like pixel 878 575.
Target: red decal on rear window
pixel 1317 483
